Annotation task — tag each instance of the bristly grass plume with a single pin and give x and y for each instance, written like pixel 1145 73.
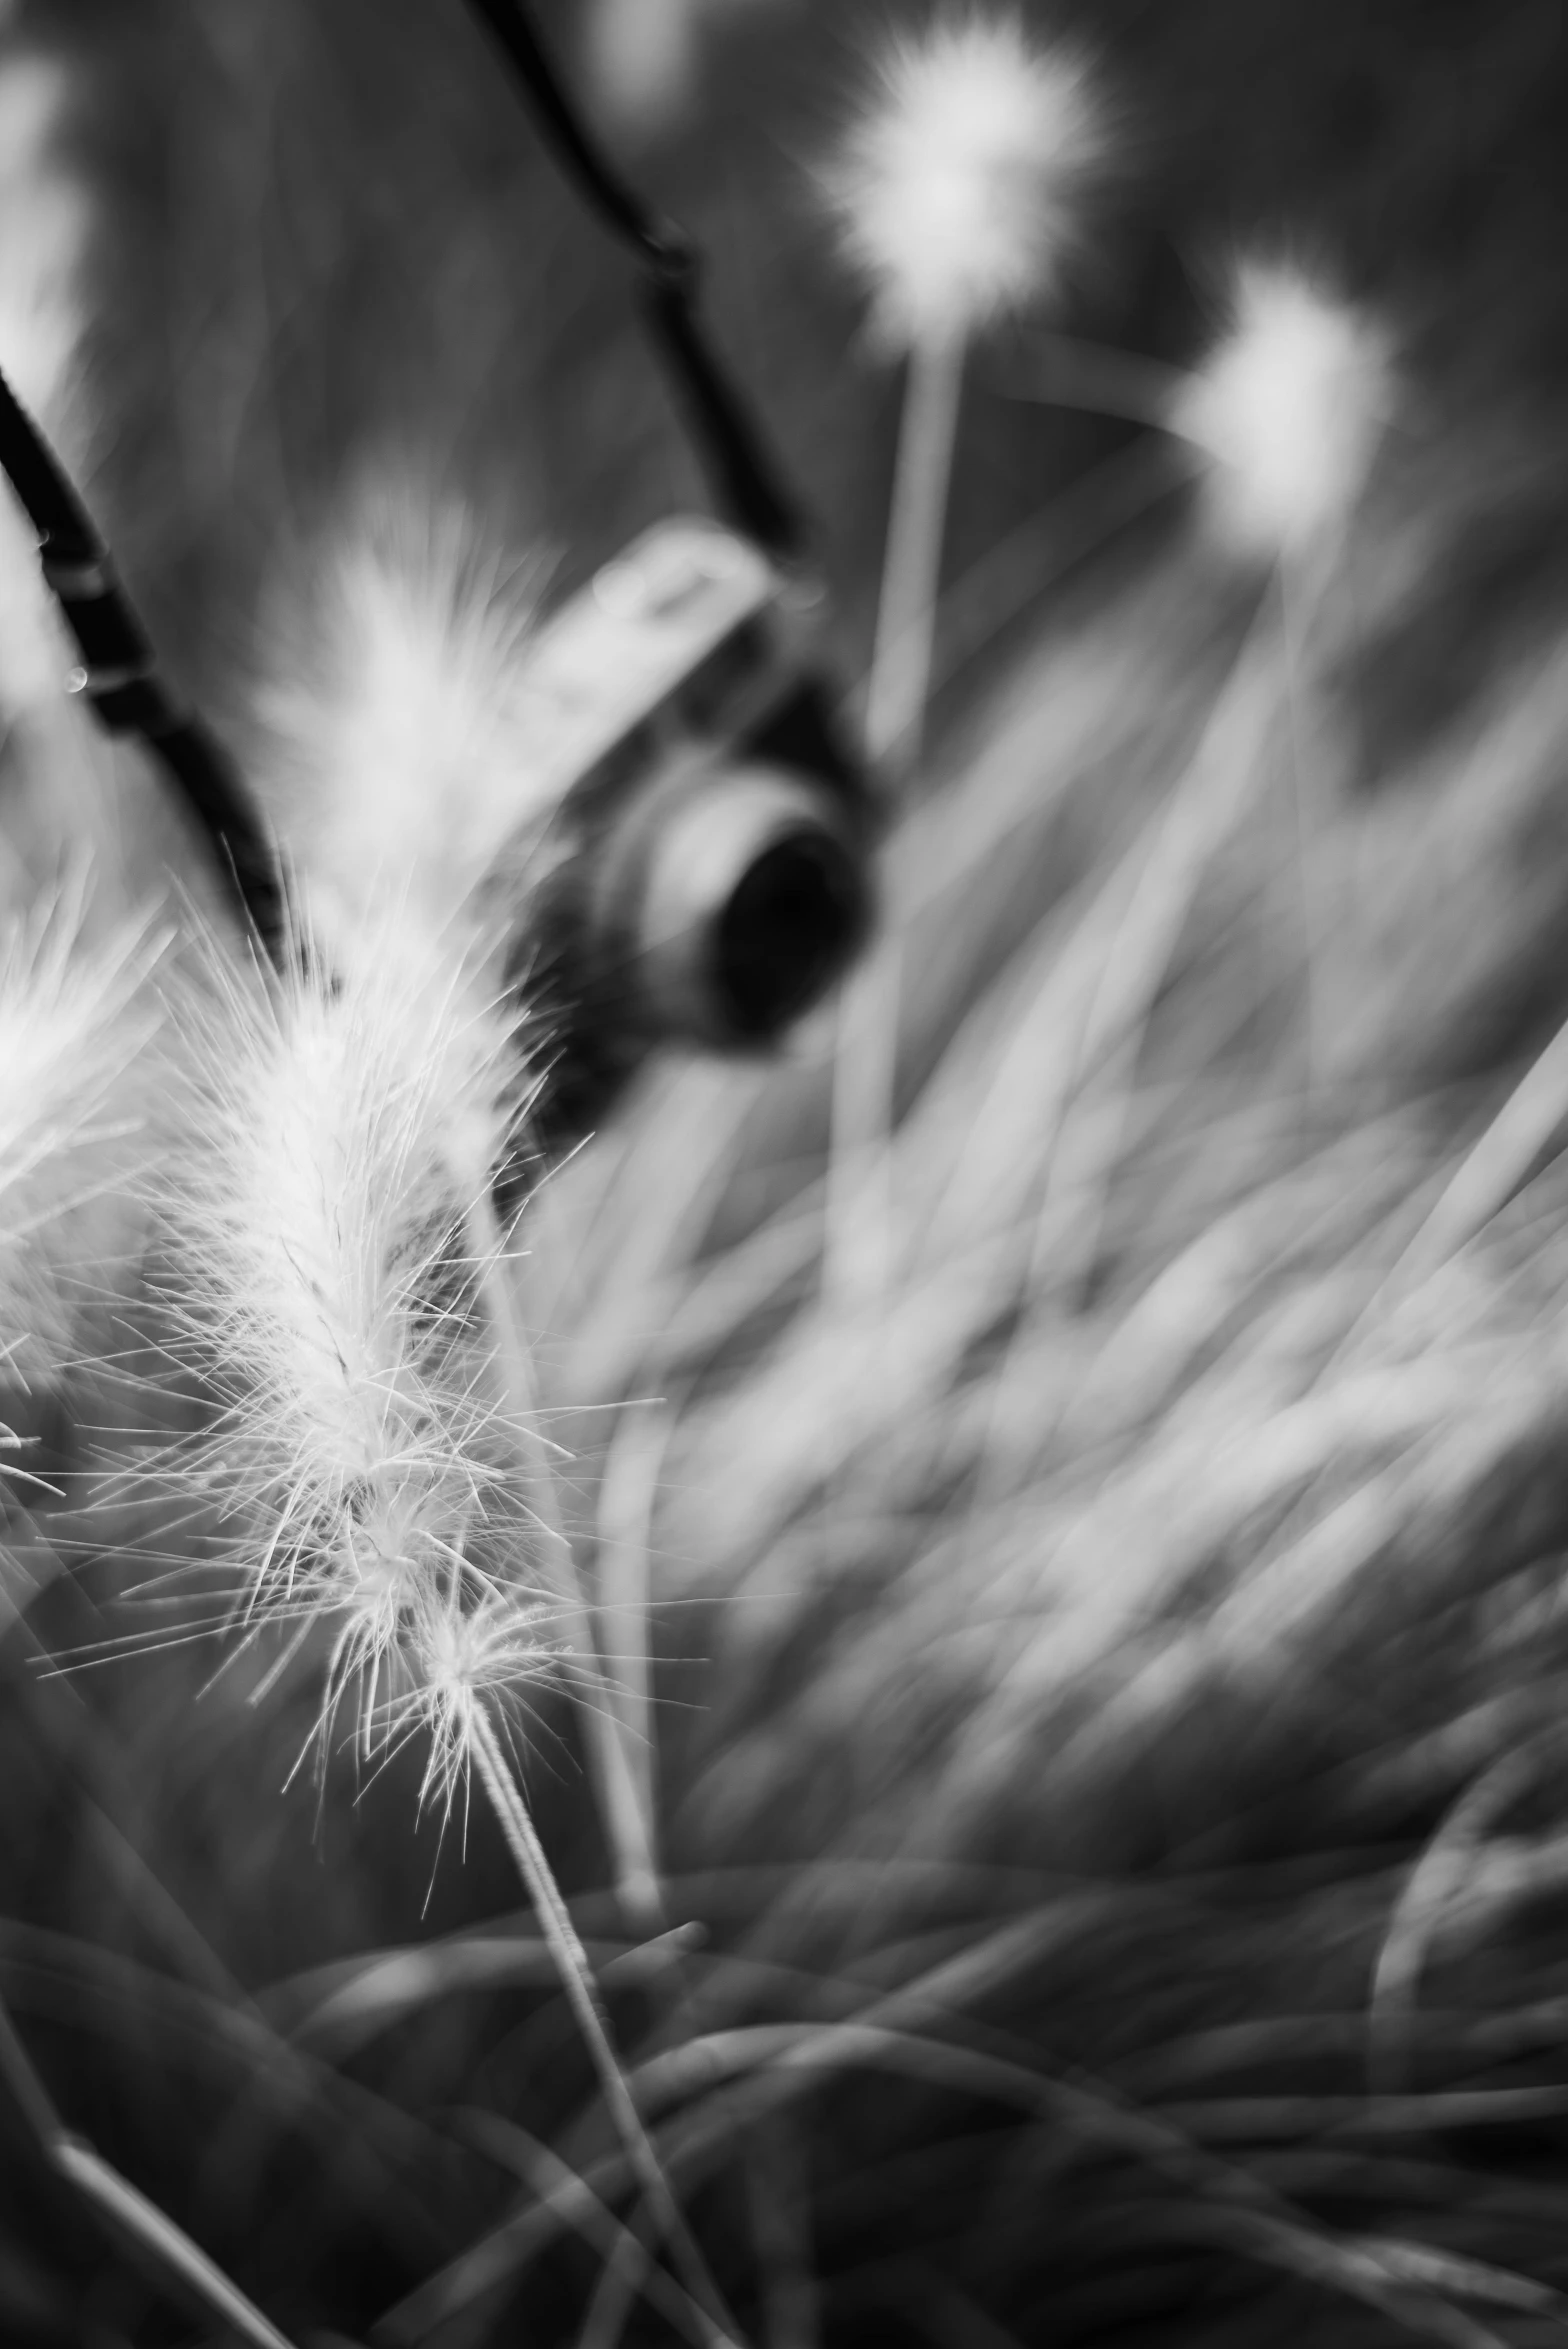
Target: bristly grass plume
pixel 326 1281
pixel 957 189
pixel 317 1228
pixel 394 737
pixel 1287 411
pixel 404 755
pixel 957 196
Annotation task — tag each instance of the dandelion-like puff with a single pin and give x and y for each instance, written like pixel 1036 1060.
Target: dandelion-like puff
pixel 1287 411
pixel 957 190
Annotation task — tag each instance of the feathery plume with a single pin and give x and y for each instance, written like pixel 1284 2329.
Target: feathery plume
pixel 1287 411
pixel 956 191
pixel 345 1327
pixel 319 1230
pixel 410 755
pixel 396 723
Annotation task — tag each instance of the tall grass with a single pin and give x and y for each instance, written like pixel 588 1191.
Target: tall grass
pixel 1089 1700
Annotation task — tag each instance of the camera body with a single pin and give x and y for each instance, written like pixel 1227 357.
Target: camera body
pixel 702 870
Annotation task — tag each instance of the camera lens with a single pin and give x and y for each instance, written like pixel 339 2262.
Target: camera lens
pixel 788 931
pixel 737 901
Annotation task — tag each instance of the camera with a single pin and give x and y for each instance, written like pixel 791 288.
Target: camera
pixel 702 870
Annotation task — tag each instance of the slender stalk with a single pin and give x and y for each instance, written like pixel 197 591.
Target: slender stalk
pixel 627 1823
pixel 906 614
pixel 859 1250
pixel 593 2022
pixel 1313 841
pixel 626 1501
pixel 858 1240
pixel 1101 381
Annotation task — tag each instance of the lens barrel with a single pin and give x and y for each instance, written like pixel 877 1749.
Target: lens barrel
pixel 728 904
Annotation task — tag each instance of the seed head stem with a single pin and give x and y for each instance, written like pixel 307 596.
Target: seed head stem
pixel 626 1823
pixel 582 1993
pixel 923 467
pixel 858 1243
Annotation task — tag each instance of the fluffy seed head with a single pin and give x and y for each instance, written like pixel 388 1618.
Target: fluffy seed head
pixel 956 190
pixel 1287 410
pixel 325 1282
pixel 395 733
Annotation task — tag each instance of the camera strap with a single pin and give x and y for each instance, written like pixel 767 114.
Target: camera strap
pixel 118 674
pixel 746 483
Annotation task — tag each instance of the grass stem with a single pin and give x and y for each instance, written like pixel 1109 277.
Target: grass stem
pixel 627 1825
pixel 593 2022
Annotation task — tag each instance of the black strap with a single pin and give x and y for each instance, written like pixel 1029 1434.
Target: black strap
pixel 119 675
pixel 746 483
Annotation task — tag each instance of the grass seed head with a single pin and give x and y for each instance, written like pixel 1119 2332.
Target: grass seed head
pixel 395 728
pixel 956 191
pixel 1287 410
pixel 320 1239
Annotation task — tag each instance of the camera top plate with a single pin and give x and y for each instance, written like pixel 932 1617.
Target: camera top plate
pixel 689 635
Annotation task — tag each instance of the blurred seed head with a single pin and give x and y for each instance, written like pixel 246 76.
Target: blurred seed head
pixel 395 737
pixel 1287 410
pixel 957 190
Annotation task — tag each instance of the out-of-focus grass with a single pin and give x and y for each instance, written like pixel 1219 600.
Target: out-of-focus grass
pixel 1106 1699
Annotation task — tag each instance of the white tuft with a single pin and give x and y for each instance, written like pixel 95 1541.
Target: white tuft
pixel 320 1232
pixel 397 740
pixel 1287 410
pixel 957 190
